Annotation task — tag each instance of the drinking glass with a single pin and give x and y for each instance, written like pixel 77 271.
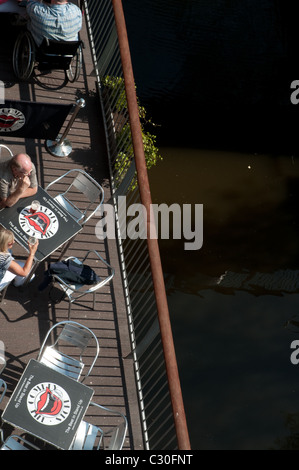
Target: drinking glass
pixel 32 241
pixel 35 205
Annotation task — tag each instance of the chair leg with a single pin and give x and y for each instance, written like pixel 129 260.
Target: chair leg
pixel 3 293
pixel 69 312
pixel 65 248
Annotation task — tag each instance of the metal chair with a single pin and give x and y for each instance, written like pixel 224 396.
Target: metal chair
pixel 91 437
pixel 75 291
pixel 14 442
pixel 2 360
pixel 81 199
pixel 3 290
pixel 75 335
pixel 2 146
pixel 53 63
pixel 3 389
pixel 83 196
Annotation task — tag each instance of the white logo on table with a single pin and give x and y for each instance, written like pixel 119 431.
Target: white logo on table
pixel 40 224
pixel 48 403
pixel 11 119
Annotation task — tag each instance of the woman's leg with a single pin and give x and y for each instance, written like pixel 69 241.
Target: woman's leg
pixel 7 278
pixel 19 280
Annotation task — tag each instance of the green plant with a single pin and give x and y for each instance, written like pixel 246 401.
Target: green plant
pixel 117 99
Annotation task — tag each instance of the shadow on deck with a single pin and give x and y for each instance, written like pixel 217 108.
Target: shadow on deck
pixel 26 314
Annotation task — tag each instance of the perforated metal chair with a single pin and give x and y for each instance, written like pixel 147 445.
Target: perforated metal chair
pixel 82 197
pixel 4 147
pixel 57 356
pixel 3 291
pixel 2 360
pixel 3 389
pixel 103 437
pixel 14 442
pixel 75 291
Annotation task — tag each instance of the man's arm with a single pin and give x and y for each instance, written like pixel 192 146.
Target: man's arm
pixel 23 189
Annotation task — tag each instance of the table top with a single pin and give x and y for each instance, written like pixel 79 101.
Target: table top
pixel 48 405
pixel 52 225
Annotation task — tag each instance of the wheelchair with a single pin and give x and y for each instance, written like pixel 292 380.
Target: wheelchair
pixel 52 64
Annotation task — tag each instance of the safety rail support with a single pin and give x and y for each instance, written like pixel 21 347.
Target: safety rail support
pixel 152 243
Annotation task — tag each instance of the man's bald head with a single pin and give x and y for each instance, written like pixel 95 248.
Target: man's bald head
pixel 22 163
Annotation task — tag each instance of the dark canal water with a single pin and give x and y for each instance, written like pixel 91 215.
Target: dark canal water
pixel 216 76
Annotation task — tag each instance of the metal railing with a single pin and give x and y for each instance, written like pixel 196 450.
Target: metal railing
pixel 161 404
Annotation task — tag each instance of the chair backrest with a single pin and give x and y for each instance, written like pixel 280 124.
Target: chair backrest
pixel 2 356
pixel 56 54
pixel 81 184
pixel 15 442
pixel 90 436
pixel 3 389
pixel 62 363
pixel 75 335
pixel 4 147
pixel 116 436
pixel 86 436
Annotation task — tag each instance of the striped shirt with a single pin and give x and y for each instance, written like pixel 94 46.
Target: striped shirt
pixel 5 260
pixel 58 22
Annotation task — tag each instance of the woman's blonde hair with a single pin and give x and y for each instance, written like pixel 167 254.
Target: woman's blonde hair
pixel 6 237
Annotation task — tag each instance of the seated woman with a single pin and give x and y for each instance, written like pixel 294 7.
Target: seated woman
pixel 9 268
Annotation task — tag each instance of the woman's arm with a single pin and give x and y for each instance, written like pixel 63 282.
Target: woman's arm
pixel 15 268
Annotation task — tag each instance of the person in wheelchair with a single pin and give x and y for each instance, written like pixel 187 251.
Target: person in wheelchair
pixel 59 20
pixel 49 47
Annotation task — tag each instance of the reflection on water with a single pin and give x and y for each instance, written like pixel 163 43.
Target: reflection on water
pixel 234 303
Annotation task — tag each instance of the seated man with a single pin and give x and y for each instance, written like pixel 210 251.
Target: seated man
pixel 17 179
pixel 60 20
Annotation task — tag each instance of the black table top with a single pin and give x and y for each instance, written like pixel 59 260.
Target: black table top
pixel 52 225
pixel 48 405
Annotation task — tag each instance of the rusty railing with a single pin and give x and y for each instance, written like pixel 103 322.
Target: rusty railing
pixel 161 404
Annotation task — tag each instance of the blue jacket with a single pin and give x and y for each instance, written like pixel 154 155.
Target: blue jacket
pixel 70 272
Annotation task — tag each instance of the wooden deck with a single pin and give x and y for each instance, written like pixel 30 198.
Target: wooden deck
pixel 26 314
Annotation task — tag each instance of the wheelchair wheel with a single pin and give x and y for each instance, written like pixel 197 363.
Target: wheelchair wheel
pixel 73 73
pixel 51 79
pixel 23 56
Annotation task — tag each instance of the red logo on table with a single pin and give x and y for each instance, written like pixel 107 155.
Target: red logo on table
pixel 11 119
pixel 48 403
pixel 40 224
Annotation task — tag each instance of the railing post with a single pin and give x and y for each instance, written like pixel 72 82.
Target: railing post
pixel 152 243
